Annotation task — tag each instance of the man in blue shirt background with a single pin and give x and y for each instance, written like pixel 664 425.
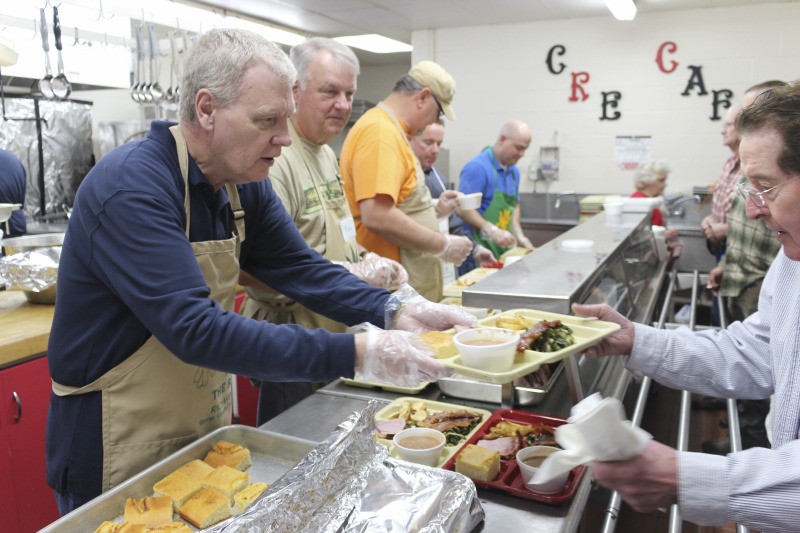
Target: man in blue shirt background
pixel 494 172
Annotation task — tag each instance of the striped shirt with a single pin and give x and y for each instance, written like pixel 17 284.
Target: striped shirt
pixel 758 487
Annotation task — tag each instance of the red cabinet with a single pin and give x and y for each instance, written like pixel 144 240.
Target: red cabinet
pixel 26 502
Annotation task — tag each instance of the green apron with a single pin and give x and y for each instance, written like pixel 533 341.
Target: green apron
pixel 499 212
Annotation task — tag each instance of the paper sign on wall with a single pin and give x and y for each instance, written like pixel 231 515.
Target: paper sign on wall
pixel 632 150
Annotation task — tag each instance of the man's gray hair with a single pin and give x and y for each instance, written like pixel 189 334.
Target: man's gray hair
pixel 649 173
pixel 303 53
pixel 218 61
pixel 407 85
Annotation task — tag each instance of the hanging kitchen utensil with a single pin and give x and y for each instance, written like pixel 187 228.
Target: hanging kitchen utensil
pixel 147 66
pixel 172 95
pixel 156 92
pixel 137 88
pixel 44 84
pixel 60 84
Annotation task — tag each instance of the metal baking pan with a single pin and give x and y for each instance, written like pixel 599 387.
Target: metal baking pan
pixel 272 455
pixel 490 392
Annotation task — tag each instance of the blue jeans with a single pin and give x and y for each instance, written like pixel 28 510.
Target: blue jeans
pixel 69 501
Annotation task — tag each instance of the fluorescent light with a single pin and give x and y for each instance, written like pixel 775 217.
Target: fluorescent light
pixel 621 9
pixel 375 43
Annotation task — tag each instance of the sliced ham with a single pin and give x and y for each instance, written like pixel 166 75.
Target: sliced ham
pixel 386 429
pixel 507 446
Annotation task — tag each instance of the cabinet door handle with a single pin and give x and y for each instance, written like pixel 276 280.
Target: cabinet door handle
pixel 19 407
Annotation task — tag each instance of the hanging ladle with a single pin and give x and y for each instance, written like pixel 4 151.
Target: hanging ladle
pixel 172 94
pixel 156 92
pixel 137 88
pixel 44 84
pixel 60 84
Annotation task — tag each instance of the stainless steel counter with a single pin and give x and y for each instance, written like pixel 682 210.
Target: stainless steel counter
pixel 549 277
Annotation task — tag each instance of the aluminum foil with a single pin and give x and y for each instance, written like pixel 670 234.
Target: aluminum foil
pixel 66 148
pixel 35 270
pixel 350 484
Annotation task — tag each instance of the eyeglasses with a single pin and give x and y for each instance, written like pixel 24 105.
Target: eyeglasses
pixel 441 111
pixel 758 196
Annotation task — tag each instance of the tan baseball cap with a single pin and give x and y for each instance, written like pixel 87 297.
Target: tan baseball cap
pixel 439 81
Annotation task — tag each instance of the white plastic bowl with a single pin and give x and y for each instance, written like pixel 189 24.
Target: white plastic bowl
pixel 527 471
pixel 495 357
pixel 407 443
pixel 470 201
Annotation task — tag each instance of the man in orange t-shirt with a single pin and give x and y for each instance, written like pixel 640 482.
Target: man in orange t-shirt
pixel 385 185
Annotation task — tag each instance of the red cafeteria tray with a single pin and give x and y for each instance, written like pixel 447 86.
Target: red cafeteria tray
pixel 510 480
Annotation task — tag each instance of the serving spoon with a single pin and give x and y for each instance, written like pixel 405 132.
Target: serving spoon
pixel 156 92
pixel 60 84
pixel 44 84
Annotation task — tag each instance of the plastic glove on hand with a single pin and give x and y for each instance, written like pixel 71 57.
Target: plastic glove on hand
pixel 524 242
pixel 456 249
pixel 398 358
pixel 379 271
pixel 498 236
pixel 483 255
pixel 448 202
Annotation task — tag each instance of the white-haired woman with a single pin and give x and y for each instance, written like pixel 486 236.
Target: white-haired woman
pixel 650 181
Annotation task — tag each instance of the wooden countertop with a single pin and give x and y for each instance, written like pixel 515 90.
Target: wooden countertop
pixel 24 327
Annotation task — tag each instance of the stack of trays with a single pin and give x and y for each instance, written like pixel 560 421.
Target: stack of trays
pixel 593 204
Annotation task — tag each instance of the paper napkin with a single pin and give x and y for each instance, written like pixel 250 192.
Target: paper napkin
pixel 596 431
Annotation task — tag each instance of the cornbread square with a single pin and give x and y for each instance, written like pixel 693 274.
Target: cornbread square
pixel 179 487
pixel 226 453
pixel 113 527
pixel 174 527
pixel 478 463
pixel 227 480
pixel 246 496
pixel 206 508
pixel 150 511
pixel 441 342
pixel 197 469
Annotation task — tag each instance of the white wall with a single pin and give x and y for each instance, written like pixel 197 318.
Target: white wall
pixel 500 74
pixel 376 82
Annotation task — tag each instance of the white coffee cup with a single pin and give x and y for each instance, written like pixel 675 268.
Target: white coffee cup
pixel 470 201
pixel 527 470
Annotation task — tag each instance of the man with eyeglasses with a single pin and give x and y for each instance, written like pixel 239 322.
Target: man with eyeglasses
pixel 756 358
pixel 426 145
pixel 385 184
pixel 496 224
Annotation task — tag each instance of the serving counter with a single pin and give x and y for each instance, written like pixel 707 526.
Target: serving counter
pixel 620 267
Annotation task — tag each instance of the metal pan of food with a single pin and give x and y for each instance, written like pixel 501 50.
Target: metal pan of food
pixel 529 390
pixel 272 455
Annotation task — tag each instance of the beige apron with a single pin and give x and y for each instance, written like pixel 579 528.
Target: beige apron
pixel 277 308
pixel 424 270
pixel 154 403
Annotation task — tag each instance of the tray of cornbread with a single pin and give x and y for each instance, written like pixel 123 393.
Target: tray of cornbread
pixel 205 483
pixel 467 280
pixel 489 455
pixel 458 423
pixel 583 334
